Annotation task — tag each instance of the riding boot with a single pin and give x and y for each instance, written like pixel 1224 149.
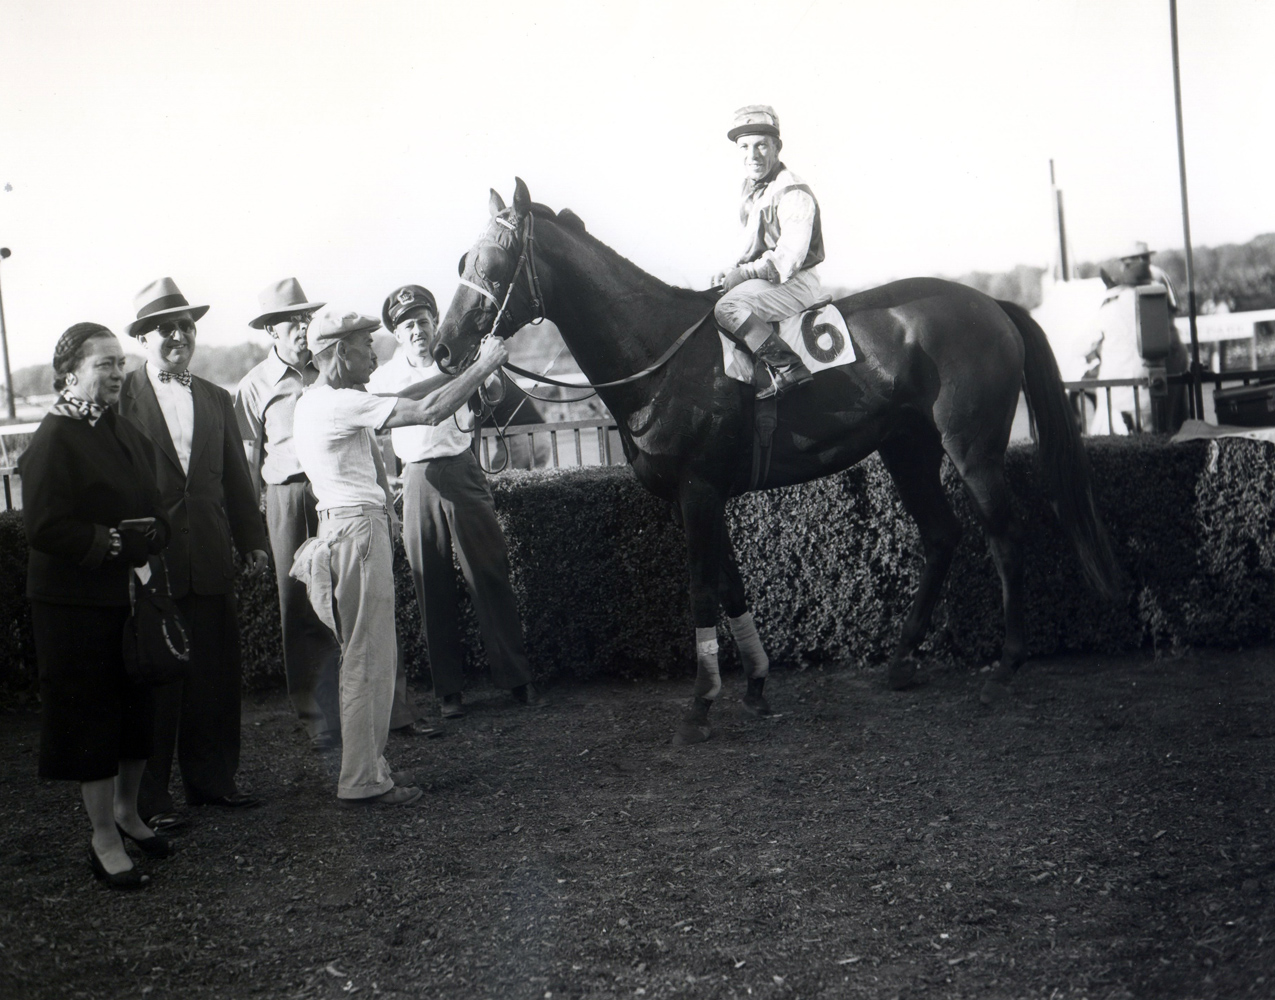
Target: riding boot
pixel 787 370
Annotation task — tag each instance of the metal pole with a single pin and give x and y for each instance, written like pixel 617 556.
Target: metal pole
pixel 1197 389
pixel 4 350
pixel 1064 264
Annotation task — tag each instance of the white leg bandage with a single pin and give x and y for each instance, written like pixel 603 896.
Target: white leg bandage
pixel 748 642
pixel 708 676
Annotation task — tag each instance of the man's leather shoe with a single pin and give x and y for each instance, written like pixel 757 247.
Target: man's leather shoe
pixel 236 800
pixel 165 822
pixel 399 795
pixel 416 729
pixel 527 694
pixel 452 707
pixel 327 740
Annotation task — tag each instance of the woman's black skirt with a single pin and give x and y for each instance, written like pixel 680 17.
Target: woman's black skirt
pixel 92 715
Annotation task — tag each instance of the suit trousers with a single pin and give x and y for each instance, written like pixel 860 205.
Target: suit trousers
pixel 361 563
pixel 198 716
pixel 311 655
pixel 447 505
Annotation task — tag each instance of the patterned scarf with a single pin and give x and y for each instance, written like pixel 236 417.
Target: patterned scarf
pixel 77 408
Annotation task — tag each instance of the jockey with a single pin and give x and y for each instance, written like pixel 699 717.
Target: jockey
pixel 775 276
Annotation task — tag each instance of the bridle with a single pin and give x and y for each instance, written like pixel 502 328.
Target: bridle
pixel 527 266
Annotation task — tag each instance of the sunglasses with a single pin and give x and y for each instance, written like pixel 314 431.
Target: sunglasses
pixel 172 327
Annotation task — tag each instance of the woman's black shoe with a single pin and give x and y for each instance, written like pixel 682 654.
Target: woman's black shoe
pixel 131 879
pixel 153 846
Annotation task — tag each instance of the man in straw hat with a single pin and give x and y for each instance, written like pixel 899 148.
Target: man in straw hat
pixel 348 568
pixel 264 402
pixel 209 500
pixel 447 505
pixel 775 275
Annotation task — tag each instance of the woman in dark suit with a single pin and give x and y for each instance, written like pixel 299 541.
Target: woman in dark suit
pixel 86 475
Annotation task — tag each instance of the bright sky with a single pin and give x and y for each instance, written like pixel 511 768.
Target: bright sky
pixel 232 143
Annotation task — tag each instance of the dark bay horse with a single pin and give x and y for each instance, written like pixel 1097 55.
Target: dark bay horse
pixel 939 371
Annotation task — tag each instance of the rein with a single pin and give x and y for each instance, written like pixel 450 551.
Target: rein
pixel 527 263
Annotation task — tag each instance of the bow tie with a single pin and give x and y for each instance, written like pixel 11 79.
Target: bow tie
pixel 182 377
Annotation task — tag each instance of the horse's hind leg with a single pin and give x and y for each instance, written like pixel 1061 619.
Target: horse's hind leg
pixel 985 483
pixel 913 461
pixel 742 628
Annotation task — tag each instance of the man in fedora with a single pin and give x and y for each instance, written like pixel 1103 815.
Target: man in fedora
pixel 775 275
pixel 209 500
pixel 447 505
pixel 1136 269
pixel 264 402
pixel 348 567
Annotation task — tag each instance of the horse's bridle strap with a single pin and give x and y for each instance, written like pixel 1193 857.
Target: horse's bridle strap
pixel 481 291
pixel 648 370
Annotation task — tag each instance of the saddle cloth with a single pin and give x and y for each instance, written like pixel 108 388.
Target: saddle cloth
pixel 818 335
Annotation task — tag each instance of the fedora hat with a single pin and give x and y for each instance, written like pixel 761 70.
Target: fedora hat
pixel 1136 248
pixel 159 299
pixel 283 298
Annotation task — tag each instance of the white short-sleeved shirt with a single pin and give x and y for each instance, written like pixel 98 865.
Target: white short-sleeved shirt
pixel 332 432
pixel 421 441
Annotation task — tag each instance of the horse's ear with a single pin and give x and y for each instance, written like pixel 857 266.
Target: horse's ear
pixel 495 203
pixel 460 265
pixel 570 219
pixel 522 197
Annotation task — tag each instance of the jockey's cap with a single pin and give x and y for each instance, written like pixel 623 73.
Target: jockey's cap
pixel 754 119
pixel 333 324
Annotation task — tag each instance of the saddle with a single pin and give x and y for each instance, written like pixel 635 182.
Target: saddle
pixel 819 336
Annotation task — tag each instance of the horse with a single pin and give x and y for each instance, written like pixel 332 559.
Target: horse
pixel 939 370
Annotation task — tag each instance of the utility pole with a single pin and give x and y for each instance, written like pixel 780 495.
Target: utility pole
pixel 1060 227
pixel 4 349
pixel 1197 391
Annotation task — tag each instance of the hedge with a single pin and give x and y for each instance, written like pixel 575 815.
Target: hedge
pixel 599 566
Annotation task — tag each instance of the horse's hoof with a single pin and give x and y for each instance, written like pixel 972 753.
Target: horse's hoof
pixel 993 692
pixel 902 674
pixel 689 733
pixel 755 698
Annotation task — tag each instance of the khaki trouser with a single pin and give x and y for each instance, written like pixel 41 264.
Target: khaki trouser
pixel 768 302
pixel 360 562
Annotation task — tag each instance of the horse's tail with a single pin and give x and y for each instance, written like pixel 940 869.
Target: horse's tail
pixel 1062 456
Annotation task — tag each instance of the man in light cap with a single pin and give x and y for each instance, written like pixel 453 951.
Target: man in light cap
pixel 447 505
pixel 264 403
pixel 348 568
pixel 775 275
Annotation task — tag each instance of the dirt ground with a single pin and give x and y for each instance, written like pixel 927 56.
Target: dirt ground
pixel 1105 833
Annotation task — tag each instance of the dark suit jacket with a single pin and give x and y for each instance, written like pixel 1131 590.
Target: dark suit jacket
pixel 211 505
pixel 79 481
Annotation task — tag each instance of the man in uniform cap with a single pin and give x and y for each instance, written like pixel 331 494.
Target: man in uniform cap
pixel 348 568
pixel 447 504
pixel 209 500
pixel 775 275
pixel 265 402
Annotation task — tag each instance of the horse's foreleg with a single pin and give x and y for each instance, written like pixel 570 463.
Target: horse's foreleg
pixel 913 464
pixel 742 628
pixel 704 520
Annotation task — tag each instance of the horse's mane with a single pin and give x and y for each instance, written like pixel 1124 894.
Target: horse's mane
pixel 567 219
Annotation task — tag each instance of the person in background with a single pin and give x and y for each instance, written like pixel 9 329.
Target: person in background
pixel 447 505
pixel 92 511
pixel 348 568
pixel 1136 269
pixel 208 499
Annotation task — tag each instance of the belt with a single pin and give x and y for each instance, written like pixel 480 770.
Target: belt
pixel 358 508
pixel 460 457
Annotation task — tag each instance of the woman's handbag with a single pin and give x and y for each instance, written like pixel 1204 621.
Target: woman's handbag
pixel 156 641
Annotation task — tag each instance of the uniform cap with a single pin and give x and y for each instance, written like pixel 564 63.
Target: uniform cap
pixel 754 119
